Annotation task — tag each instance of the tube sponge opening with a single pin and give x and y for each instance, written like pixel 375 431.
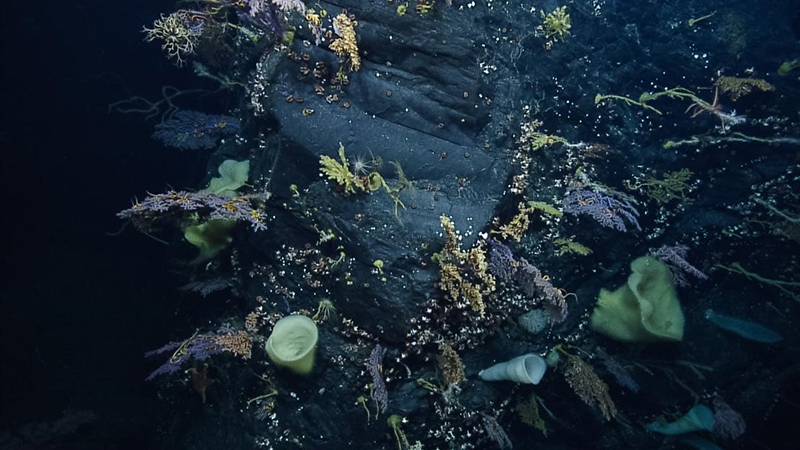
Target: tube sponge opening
pixel 293 343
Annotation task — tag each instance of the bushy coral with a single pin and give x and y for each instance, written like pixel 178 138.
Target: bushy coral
pixel 672 186
pixel 178 32
pixel 450 365
pixel 674 257
pixel 284 5
pixel 737 88
pixel 582 378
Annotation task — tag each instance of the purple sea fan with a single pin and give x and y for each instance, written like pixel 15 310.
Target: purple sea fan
pixel 496 432
pixel 533 282
pixel 374 364
pixel 620 373
pixel 193 130
pixel 287 5
pixel 196 348
pixel 207 287
pixel 263 14
pixel 728 424
pixel 173 206
pixel 503 265
pixel 501 261
pixel 606 210
pixel 674 257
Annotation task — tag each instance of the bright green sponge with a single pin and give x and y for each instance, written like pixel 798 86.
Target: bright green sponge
pixel 645 309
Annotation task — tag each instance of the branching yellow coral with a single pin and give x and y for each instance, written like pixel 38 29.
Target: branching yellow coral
pixel 346 46
pixel 519 224
pixel 352 182
pixel 476 258
pixel 456 286
pixel 673 186
pixel 568 246
pixel 457 282
pixel 339 171
pixel 737 88
pixel 545 208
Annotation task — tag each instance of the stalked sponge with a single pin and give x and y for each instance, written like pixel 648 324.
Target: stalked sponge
pixel 293 343
pixel 645 309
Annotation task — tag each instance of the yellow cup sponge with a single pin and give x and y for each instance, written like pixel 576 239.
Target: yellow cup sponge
pixel 645 309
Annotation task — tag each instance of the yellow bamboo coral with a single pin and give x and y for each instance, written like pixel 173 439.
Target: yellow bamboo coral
pixel 339 171
pixel 519 224
pixel 454 278
pixel 345 46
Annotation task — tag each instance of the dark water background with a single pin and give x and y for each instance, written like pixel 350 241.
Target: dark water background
pixel 79 307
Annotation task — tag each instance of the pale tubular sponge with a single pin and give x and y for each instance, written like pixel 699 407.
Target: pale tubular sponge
pixel 748 330
pixel 293 344
pixel 699 418
pixel 525 369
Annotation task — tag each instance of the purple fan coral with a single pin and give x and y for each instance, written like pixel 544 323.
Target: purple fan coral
pixel 263 14
pixel 606 210
pixel 530 279
pixel 193 130
pixel 286 6
pixel 207 287
pixel 196 348
pixel 501 261
pixel 620 373
pixel 379 393
pixel 496 432
pixel 175 206
pixel 728 423
pixel 674 257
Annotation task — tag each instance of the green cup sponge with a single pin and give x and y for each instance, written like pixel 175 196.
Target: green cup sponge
pixel 645 309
